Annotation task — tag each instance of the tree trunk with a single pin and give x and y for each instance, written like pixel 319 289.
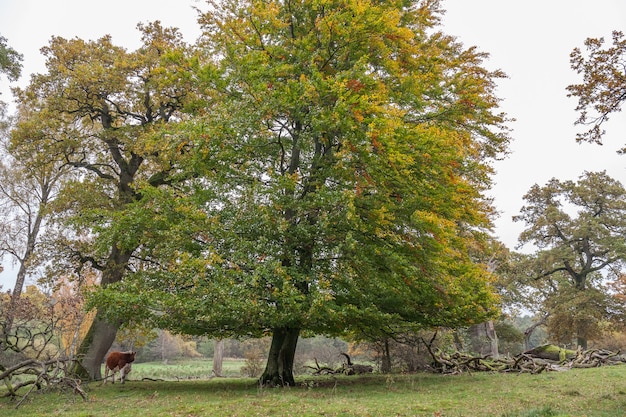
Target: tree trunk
pixel 458 342
pixel 162 347
pixel 484 339
pixel 95 346
pixel 476 340
pixel 218 357
pixel 385 367
pixel 279 368
pixel 101 334
pixel 490 330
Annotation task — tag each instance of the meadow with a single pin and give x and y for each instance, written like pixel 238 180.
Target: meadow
pixel 597 392
pixel 185 369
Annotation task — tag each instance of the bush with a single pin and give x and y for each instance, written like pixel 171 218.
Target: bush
pixel 254 351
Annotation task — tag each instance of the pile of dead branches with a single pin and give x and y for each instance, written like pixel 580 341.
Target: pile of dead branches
pixel 40 375
pixel 534 361
pixel 596 357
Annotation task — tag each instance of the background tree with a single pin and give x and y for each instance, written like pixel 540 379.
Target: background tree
pixel 578 228
pixel 521 293
pixel 218 357
pixel 10 60
pixel 339 180
pixel 11 66
pixel 603 89
pixel 615 337
pixel 28 185
pixel 108 104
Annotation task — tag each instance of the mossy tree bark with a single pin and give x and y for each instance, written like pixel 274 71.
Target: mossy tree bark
pixel 552 353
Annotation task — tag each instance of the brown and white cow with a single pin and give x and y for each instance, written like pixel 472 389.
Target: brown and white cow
pixel 118 361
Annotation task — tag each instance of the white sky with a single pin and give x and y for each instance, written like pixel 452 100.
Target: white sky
pixel 530 40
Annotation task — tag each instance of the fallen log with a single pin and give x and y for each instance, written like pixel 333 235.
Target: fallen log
pixel 552 353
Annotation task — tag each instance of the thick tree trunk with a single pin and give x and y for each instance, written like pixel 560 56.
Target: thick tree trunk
pixel 484 339
pixel 552 353
pixel 95 346
pixel 279 368
pixel 476 339
pixel 101 334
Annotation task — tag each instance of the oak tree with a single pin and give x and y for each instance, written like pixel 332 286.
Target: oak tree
pixel 107 103
pixel 578 229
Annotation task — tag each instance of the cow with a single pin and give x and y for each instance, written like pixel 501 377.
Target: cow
pixel 118 361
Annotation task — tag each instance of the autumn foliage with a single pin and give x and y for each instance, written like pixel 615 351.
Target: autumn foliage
pixel 74 320
pixel 603 88
pixel 305 167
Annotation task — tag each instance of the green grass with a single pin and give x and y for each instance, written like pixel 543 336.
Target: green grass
pixel 184 369
pixel 599 392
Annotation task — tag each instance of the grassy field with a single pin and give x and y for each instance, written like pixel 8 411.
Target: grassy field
pixel 598 392
pixel 185 369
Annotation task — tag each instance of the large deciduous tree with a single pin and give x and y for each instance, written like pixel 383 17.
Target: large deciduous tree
pixel 107 103
pixel 578 229
pixel 603 90
pixel 338 180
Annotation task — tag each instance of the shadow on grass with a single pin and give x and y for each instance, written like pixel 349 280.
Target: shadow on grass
pixel 240 385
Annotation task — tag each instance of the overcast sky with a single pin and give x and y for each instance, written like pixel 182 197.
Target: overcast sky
pixel 529 40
